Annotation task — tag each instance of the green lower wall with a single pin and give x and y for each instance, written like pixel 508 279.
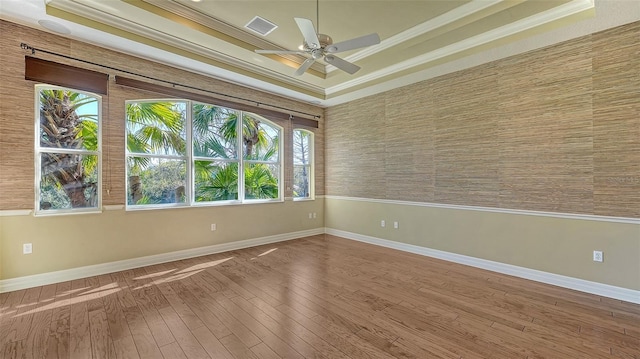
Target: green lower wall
pixel 65 242
pixel 556 245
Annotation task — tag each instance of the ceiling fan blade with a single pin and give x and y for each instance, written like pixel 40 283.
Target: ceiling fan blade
pixel 343 65
pixel 305 65
pixel 279 52
pixel 308 32
pixel 358 42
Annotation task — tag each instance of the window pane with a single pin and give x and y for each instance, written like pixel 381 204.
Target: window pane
pixel 68 181
pixel 301 147
pixel 260 139
pixel 156 127
pixel 156 181
pixel 216 181
pixel 301 181
pixel 214 131
pixel 68 120
pixel 261 181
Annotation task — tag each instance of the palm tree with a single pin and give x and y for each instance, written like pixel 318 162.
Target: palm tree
pixel 61 127
pixel 215 136
pixel 259 182
pixel 152 128
pixel 301 163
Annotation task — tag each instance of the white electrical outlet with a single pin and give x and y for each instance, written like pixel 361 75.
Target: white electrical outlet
pixel 597 256
pixel 310 215
pixel 27 248
pixel 314 215
pixel 382 223
pixel 395 224
pixel 213 227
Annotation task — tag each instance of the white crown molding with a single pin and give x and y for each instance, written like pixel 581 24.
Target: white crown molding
pixel 582 285
pixel 92 10
pixel 8 285
pixel 439 21
pixel 530 22
pixel 206 20
pixel 609 14
pixel 586 217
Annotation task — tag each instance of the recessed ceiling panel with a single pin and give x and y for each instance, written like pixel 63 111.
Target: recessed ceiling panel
pixel 414 34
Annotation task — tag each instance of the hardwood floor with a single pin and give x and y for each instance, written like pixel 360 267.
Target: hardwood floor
pixel 317 297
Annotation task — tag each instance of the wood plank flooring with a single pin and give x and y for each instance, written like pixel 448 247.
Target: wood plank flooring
pixel 316 297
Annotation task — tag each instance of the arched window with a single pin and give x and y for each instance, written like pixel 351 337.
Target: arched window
pixel 302 164
pixel 188 153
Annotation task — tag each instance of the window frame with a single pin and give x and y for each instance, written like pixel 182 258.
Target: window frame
pixel 177 157
pixel 310 165
pixel 38 151
pixel 190 158
pixel 194 158
pixel 245 162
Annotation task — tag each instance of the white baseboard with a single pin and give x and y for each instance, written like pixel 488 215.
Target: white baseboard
pixel 36 280
pixel 582 285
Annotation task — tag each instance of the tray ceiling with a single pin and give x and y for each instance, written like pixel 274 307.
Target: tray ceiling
pixel 209 36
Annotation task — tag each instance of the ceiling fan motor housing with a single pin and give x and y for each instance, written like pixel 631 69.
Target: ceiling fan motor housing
pixel 325 40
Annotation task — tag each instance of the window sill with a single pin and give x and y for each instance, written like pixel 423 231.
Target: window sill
pixel 202 205
pixel 52 213
pixel 304 199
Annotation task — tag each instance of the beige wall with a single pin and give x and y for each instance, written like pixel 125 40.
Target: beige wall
pixel 66 242
pixel 554 245
pixel 554 130
pixel 63 242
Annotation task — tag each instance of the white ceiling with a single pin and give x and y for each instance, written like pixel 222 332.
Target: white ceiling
pixel 420 39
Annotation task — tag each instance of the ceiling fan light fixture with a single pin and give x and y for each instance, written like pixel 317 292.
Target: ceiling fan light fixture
pixel 261 26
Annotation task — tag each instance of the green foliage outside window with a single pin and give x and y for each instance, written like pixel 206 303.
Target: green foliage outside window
pixel 157 138
pixel 67 149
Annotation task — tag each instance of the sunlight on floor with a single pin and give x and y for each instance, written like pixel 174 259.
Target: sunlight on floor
pixel 93 294
pixel 87 293
pixel 265 253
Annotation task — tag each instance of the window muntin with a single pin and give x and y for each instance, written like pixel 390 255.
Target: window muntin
pixel 213 172
pixel 67 151
pixel 302 164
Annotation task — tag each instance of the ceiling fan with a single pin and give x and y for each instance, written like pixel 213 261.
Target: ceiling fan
pixel 321 46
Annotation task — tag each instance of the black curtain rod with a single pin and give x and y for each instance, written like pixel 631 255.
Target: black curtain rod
pixel 257 103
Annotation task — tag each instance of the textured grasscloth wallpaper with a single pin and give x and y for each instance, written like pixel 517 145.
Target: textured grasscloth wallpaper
pixel 556 129
pixel 17 112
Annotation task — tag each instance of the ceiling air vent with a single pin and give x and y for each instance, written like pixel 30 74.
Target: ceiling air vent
pixel 261 26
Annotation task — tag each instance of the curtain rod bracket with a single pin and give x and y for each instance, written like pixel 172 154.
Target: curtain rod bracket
pixel 27 47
